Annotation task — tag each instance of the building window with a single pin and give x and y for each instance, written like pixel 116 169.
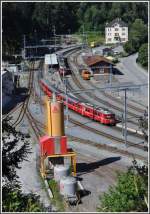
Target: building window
pixel 116 29
pixel 101 70
pixel 109 39
pixel 123 39
pixel 123 29
pixel 123 34
pixel 116 38
pixel 116 34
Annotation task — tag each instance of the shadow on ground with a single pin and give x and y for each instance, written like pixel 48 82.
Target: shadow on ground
pixel 117 72
pixel 19 97
pixel 88 167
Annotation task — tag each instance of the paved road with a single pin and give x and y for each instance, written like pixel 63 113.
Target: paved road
pixel 133 72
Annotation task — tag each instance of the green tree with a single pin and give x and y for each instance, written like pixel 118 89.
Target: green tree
pixel 20 18
pixel 143 55
pixel 15 150
pixel 130 193
pixel 138 35
pixel 143 125
pixel 129 47
pixel 139 31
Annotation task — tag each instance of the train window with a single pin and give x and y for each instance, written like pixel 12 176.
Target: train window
pixel 108 116
pixel 98 113
pixel 88 110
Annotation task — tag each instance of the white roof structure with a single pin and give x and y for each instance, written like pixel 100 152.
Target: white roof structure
pixel 51 59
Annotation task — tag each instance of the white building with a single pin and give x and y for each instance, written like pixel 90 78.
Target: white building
pixel 116 32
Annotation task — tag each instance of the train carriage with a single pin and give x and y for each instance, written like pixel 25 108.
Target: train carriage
pixel 101 115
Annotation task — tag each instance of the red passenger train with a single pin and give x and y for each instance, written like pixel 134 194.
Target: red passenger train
pixel 101 115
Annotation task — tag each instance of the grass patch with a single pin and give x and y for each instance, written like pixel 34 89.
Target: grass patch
pixel 92 36
pixel 58 199
pixel 96 37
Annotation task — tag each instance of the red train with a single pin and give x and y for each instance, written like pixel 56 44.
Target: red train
pixel 104 116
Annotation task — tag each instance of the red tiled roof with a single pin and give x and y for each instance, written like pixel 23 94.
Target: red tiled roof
pixel 92 60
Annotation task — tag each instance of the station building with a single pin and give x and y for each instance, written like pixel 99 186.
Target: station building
pixel 98 65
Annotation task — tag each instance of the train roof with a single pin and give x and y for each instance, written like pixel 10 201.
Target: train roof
pixel 73 98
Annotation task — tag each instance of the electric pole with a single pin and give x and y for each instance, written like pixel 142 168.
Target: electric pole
pixel 54 31
pixel 67 118
pixel 110 74
pixel 124 88
pixel 24 45
pixel 125 116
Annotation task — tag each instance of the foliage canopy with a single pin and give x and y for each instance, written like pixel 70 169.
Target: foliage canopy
pixel 15 150
pixel 39 18
pixel 130 193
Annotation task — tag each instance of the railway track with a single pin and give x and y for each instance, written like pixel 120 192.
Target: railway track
pixel 26 102
pixel 80 86
pixel 101 133
pixel 34 124
pixel 13 110
pixel 119 101
pixel 109 136
pixel 106 147
pixel 116 128
pixel 110 96
pixel 113 127
pixel 108 104
pixel 38 128
pixel 119 141
pixel 86 100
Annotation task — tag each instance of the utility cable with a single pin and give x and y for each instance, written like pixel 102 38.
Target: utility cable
pixel 24 107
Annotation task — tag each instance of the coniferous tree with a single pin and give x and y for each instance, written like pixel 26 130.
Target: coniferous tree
pixel 15 149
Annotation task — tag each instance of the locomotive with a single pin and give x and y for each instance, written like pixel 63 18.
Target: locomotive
pixel 86 74
pixel 101 115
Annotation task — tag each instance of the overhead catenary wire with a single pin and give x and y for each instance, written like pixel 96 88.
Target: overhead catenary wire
pixel 25 104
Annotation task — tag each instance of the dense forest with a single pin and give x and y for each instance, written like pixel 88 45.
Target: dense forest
pixel 30 18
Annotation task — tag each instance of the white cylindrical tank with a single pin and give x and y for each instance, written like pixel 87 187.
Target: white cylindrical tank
pixel 68 186
pixel 60 171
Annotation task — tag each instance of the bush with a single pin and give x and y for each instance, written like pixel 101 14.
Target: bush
pixel 143 55
pixel 115 60
pixel 58 199
pixel 129 47
pixel 137 36
pixel 130 192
